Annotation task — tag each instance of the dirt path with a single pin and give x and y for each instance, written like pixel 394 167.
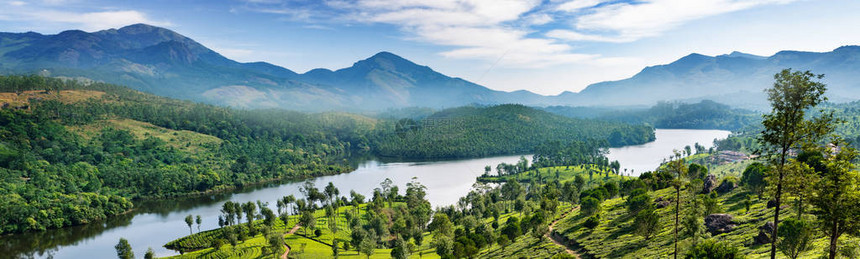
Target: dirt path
pixel 557 239
pixel 287 251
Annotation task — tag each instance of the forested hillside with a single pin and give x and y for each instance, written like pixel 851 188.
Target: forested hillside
pixel 73 152
pixel 670 115
pixel 67 161
pixel 502 129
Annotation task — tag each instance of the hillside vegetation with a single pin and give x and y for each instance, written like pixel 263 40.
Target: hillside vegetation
pixel 502 129
pixel 74 152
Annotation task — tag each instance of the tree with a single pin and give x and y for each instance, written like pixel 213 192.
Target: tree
pixel 579 181
pixel 787 128
pixel 589 206
pixel 250 210
pixel 647 222
pixel 367 246
pixel 275 244
pixel 836 200
pixel 308 221
pixel 199 222
pixel 441 224
pixel 638 203
pixel 711 249
pixel 503 241
pixel 754 177
pixel 332 226
pixel 795 237
pixel 399 251
pixel 679 167
pixel 150 254
pixel 189 220
pixel 444 245
pixel 334 248
pixel 123 249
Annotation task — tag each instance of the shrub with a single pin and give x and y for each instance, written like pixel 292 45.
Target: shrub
pixel 592 222
pixel 647 222
pixel 638 203
pixel 590 206
pixel 711 249
pixel 795 237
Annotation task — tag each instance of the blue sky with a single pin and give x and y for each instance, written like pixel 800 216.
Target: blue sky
pixel 547 46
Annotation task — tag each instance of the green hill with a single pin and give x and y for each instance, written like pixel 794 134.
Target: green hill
pixel 503 129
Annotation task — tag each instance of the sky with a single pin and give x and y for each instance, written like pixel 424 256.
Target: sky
pixel 543 46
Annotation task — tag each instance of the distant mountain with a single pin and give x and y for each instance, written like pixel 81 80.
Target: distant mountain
pixel 737 79
pixel 164 62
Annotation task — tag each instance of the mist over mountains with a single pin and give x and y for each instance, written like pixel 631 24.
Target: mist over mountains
pixel 163 62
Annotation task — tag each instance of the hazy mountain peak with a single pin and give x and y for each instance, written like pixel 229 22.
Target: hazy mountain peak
pixel 738 54
pixel 387 61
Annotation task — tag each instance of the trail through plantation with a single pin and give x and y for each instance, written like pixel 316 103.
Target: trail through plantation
pixel 556 239
pixel 287 248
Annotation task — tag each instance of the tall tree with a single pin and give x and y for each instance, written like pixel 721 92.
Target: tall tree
pixel 123 249
pixel 787 128
pixel 189 220
pixel 199 222
pixel 836 198
pixel 678 166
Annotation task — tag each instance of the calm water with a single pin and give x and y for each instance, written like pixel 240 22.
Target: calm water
pixel 646 157
pixel 153 224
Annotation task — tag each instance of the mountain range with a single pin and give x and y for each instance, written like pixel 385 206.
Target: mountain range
pixel 163 62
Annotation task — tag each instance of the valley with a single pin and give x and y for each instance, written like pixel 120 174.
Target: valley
pixel 445 129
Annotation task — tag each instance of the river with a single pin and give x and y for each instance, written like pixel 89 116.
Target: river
pixel 154 223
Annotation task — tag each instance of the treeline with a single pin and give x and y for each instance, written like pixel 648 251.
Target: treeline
pixel 496 130
pixel 389 219
pixel 705 114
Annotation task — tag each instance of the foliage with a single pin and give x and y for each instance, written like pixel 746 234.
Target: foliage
pixel 590 206
pixel 754 177
pixel 591 222
pixel 795 237
pixel 647 222
pixel 713 250
pixel 705 114
pixel 787 127
pixel 495 130
pixel 837 198
pixel 123 249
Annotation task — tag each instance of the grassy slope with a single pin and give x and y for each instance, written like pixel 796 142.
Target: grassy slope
pixel 525 246
pixel 614 237
pixel 565 173
pixel 303 245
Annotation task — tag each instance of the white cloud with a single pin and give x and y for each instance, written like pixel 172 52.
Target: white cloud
pixel 570 35
pixel 95 20
pixel 629 22
pixel 577 5
pixel 492 30
pixel 50 15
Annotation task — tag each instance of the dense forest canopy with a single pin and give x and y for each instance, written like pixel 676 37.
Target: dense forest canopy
pixel 504 129
pixel 705 114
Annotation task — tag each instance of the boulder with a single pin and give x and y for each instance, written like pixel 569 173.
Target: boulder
pixel 771 204
pixel 726 186
pixel 719 223
pixel 662 204
pixel 710 184
pixel 764 233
